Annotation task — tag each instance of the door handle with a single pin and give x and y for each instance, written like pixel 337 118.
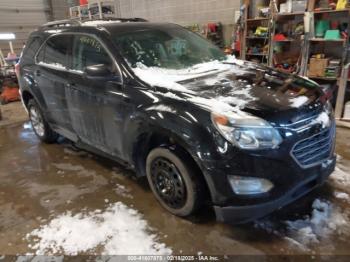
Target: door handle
pixel 115 85
pixel 71 85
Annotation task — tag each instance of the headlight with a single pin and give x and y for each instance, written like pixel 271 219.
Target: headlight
pixel 247 132
pixel 249 185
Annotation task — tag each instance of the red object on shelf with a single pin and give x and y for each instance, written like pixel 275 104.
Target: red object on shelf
pixel 212 27
pixel 83 2
pixel 279 37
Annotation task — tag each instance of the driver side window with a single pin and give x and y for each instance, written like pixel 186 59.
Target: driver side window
pixel 88 51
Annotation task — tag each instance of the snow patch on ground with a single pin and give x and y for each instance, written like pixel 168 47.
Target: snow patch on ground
pixel 325 220
pixel 123 191
pixel 342 195
pixel 340 176
pixel 119 230
pixel 298 101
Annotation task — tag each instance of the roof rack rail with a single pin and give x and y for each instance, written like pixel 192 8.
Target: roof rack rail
pixel 61 23
pixel 132 19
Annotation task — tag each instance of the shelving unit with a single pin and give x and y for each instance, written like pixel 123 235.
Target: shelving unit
pixel 95 9
pixel 259 51
pixel 297 50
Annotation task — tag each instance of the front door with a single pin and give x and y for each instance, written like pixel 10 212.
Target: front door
pixel 95 103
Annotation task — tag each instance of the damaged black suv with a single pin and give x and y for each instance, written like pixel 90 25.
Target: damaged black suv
pixel 202 126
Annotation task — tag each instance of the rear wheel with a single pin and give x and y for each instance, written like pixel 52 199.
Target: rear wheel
pixel 40 126
pixel 174 182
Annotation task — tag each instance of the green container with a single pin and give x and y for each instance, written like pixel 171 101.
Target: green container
pixel 321 27
pixel 332 35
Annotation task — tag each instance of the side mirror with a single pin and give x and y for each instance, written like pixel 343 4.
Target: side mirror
pixel 100 70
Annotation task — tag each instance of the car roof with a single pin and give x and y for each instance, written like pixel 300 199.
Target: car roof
pixel 114 27
pixel 119 28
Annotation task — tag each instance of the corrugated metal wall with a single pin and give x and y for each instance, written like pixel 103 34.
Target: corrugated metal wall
pixel 182 12
pixel 21 17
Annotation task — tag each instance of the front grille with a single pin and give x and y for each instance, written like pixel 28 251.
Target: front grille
pixel 303 124
pixel 315 149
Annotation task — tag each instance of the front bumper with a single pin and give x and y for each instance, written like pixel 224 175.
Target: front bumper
pixel 250 212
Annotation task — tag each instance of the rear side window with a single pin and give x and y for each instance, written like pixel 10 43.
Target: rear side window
pixel 55 51
pixel 88 51
pixel 31 48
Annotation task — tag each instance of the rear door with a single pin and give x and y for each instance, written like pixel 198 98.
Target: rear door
pixel 51 75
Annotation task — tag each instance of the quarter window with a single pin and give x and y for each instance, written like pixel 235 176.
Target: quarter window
pixel 88 51
pixel 55 51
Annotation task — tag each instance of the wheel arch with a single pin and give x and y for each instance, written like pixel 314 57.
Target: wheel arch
pixel 148 141
pixel 26 96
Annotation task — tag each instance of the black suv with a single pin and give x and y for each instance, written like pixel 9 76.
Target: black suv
pixel 202 126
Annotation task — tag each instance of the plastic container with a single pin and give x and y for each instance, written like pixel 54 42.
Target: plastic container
pixel 321 27
pixel 332 35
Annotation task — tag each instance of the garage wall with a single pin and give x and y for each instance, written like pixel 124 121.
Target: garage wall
pixel 185 13
pixel 21 17
pixel 181 12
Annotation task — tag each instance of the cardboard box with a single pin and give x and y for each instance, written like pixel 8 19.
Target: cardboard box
pixel 317 67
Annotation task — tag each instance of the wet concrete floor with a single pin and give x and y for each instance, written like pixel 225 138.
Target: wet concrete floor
pixel 40 181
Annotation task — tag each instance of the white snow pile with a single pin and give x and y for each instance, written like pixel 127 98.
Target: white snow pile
pixel 99 22
pixel 341 176
pixel 221 105
pixel 322 119
pixel 298 101
pixel 119 230
pixel 123 191
pixel 53 65
pixel 59 66
pixel 169 78
pixel 342 195
pixel 324 221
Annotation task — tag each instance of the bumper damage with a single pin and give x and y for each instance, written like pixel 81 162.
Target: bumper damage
pixel 247 213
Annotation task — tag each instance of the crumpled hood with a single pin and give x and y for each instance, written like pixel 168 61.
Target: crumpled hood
pixel 237 86
pixel 252 87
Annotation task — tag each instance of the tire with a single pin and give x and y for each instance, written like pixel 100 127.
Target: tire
pixel 40 126
pixel 180 191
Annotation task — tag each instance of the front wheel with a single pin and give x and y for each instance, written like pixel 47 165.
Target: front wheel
pixel 175 184
pixel 40 126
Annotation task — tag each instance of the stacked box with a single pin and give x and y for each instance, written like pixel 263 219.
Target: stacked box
pixel 317 67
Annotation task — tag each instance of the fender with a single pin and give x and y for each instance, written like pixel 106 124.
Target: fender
pixel 29 85
pixel 181 127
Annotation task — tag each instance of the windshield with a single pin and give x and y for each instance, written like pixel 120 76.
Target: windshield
pixel 171 48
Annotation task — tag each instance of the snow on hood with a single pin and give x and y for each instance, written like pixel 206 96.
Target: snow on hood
pixel 119 230
pixel 298 101
pixel 173 80
pixel 233 86
pixel 322 119
pixel 169 78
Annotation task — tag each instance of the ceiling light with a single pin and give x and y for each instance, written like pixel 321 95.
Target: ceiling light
pixel 7 36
